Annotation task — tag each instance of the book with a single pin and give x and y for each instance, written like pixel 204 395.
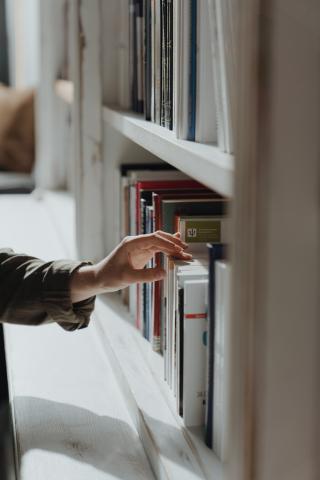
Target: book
pixel 206 123
pixel 182 66
pixel 223 47
pixel 197 231
pixel 194 351
pixel 157 61
pixel 130 174
pixel 147 59
pixel 166 206
pixel 181 55
pixel 124 61
pixel 215 252
pixel 216 66
pixel 144 189
pixel 175 269
pixel 192 87
pixel 221 355
pixel 140 55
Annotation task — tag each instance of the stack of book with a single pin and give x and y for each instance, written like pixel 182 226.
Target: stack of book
pixel 177 66
pixel 185 316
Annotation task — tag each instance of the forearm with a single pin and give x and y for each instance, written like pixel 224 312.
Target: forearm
pixel 35 292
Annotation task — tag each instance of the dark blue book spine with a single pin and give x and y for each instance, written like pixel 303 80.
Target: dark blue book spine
pixel 193 71
pixel 216 252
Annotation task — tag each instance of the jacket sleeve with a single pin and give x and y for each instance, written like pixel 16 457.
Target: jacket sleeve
pixel 34 292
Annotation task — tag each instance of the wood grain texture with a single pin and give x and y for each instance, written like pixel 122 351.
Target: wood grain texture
pixel 70 418
pixel 91 181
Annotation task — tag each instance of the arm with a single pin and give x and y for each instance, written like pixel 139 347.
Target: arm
pixel 33 292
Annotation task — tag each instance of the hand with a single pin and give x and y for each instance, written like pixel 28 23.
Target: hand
pixel 125 265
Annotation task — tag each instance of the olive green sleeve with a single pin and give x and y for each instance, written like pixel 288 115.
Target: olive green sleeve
pixel 33 292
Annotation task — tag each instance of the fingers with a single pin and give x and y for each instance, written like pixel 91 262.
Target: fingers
pixel 173 238
pixel 158 241
pixel 147 275
pixel 176 254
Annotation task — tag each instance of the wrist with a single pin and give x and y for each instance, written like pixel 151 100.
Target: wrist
pixel 84 283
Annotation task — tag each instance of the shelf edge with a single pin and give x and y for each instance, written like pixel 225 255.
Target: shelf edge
pixel 204 162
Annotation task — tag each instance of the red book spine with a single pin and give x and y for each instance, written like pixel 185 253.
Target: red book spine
pixel 157 290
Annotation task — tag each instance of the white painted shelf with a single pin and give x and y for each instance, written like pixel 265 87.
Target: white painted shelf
pixel 64 90
pixel 204 162
pixel 175 452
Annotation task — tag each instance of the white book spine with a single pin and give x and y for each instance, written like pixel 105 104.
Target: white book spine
pixel 212 14
pixel 224 14
pixel 194 352
pixel 221 356
pixel 206 115
pixel 124 62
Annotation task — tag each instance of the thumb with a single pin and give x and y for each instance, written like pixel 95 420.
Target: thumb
pixel 147 274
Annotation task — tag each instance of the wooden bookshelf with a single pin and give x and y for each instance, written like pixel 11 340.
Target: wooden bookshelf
pixel 272 180
pixel 205 163
pixel 64 90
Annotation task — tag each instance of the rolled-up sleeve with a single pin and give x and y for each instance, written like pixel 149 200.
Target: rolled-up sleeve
pixel 34 292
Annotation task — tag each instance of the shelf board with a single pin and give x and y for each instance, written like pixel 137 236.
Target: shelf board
pixel 204 162
pixel 173 450
pixel 64 90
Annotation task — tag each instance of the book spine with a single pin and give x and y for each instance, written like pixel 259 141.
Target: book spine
pixel 132 59
pixel 180 351
pixel 158 69
pixel 153 119
pixel 143 286
pixel 216 252
pixel 140 61
pixel 163 61
pixel 194 359
pixel 192 71
pixel 157 287
pixel 147 58
pixel 124 56
pixel 220 380
pixel 170 65
pixel 182 68
pixel 206 111
pixel 216 65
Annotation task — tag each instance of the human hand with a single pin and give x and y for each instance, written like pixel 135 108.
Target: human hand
pixel 125 265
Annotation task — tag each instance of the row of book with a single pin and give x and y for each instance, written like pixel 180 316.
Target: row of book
pixel 179 316
pixel 177 66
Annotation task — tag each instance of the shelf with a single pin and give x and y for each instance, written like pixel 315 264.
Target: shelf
pixel 173 450
pixel 64 90
pixel 204 162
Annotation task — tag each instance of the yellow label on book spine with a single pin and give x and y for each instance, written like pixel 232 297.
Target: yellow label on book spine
pixel 208 231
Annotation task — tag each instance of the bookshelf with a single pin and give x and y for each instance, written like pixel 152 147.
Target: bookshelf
pixel 270 384
pixel 203 162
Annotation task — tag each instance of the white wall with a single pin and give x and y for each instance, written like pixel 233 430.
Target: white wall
pixel 24 41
